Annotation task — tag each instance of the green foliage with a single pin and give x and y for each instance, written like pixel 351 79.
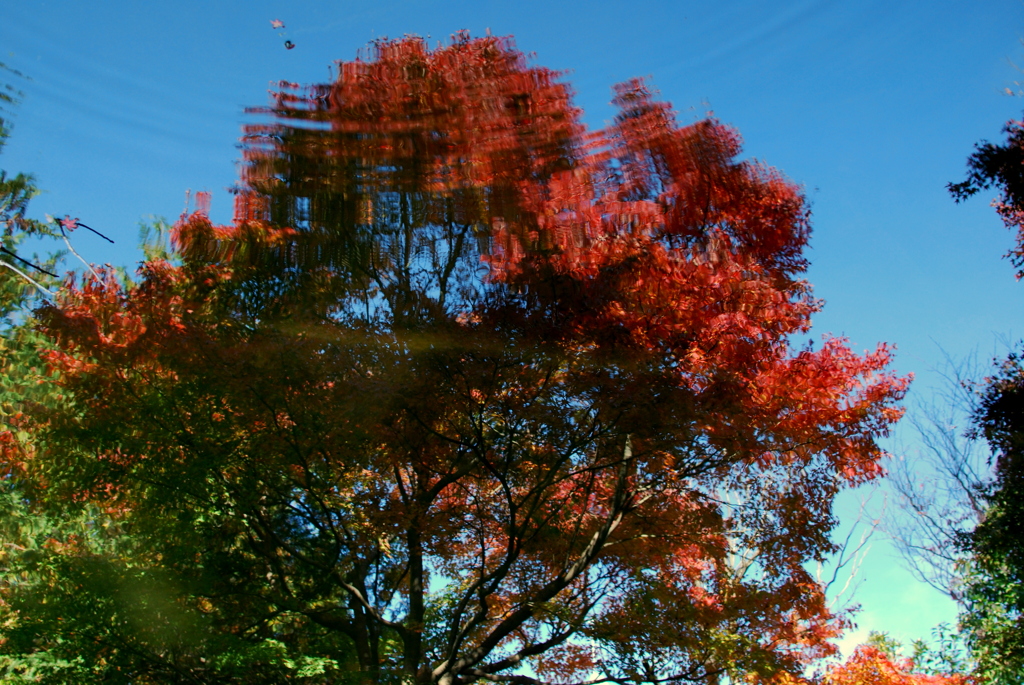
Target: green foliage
pixel 87 599
pixel 84 597
pixel 154 238
pixel 992 619
pixel 994 613
pixel 104 612
pixel 885 643
pixel 947 653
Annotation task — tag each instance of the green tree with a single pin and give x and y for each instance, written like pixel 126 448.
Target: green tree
pixel 78 603
pixel 994 602
pixel 64 616
pixel 995 587
pixel 25 385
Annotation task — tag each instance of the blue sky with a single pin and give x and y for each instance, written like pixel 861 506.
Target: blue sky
pixel 872 106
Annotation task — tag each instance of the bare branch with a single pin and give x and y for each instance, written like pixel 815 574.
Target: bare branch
pixel 938 484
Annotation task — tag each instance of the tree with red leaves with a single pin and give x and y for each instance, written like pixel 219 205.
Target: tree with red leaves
pixel 463 393
pixel 871 665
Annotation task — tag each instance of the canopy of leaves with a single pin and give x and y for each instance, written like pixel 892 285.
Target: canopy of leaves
pixel 463 392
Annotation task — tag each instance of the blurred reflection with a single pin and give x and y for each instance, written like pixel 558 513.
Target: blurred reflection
pixel 419 181
pixel 396 178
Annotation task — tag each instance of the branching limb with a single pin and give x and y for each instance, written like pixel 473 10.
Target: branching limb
pixel 74 252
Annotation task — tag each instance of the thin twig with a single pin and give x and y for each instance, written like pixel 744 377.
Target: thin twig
pixel 96 232
pixel 68 243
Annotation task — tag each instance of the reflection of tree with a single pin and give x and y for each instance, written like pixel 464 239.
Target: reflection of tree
pixel 399 177
pixel 462 388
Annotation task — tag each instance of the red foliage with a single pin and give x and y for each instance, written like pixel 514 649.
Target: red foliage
pixel 869 665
